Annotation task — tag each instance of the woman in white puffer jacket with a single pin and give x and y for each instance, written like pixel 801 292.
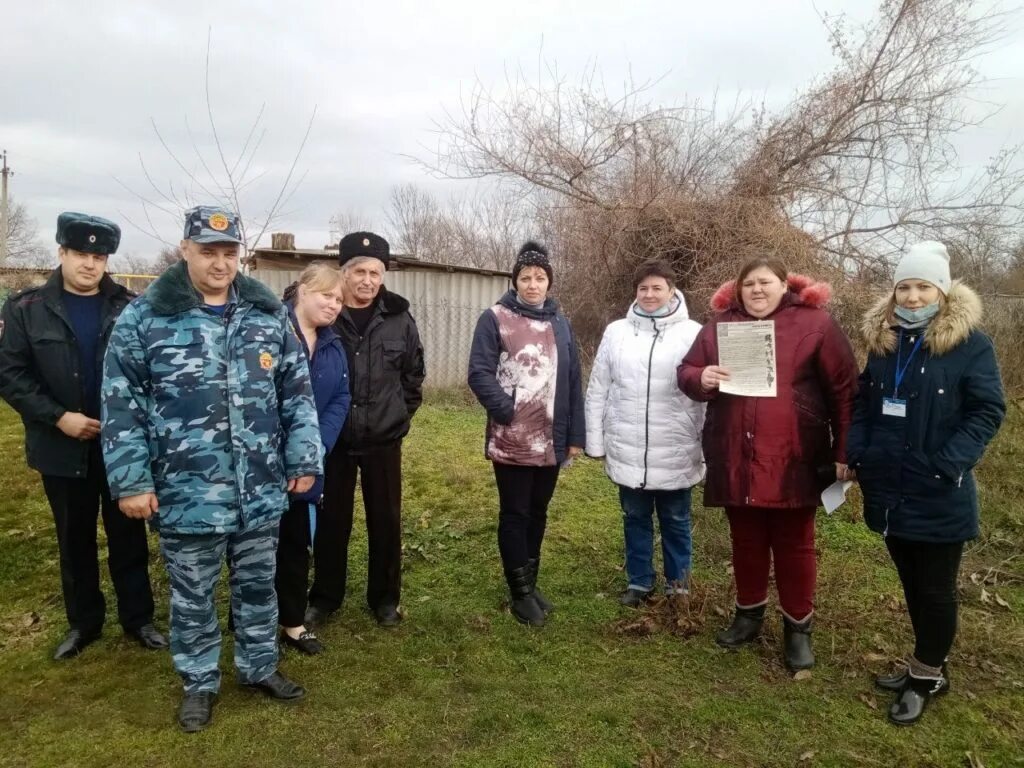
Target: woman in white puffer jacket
pixel 647 431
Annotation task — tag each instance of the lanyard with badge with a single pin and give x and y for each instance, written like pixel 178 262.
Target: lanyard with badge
pixel 894 406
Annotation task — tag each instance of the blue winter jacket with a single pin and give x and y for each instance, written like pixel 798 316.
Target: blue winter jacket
pixel 488 354
pixel 212 413
pixel 915 470
pixel 328 373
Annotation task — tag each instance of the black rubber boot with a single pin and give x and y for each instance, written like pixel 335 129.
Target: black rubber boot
pixel 524 604
pixel 797 644
pixel 895 682
pixel 545 605
pixel 914 697
pixel 745 627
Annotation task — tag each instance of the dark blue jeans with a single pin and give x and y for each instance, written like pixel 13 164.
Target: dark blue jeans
pixel 673 509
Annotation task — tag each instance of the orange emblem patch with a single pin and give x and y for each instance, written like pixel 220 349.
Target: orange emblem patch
pixel 266 361
pixel 219 222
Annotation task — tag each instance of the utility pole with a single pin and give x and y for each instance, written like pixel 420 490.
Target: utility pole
pixel 3 210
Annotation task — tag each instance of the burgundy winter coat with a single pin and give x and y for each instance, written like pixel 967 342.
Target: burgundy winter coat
pixel 777 451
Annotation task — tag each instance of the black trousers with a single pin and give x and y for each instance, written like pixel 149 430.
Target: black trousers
pixel 523 495
pixel 380 473
pixel 292 577
pixel 928 572
pixel 76 503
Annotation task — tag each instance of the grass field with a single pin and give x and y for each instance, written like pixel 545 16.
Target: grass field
pixel 462 684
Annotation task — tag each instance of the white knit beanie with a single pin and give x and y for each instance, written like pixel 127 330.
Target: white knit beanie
pixel 928 260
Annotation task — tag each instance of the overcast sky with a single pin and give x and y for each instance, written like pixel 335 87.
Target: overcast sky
pixel 83 83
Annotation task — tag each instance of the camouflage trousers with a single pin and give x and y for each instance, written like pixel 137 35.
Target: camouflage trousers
pixel 193 566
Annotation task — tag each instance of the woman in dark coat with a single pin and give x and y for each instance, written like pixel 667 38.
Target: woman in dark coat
pixel 524 369
pixel 313 305
pixel 930 401
pixel 768 458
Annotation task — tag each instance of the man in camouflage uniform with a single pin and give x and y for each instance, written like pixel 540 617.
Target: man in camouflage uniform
pixel 208 423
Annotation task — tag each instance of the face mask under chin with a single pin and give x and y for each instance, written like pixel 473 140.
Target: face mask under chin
pixel 916 317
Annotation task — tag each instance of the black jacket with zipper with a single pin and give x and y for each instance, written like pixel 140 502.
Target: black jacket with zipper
pixel 39 370
pixel 386 372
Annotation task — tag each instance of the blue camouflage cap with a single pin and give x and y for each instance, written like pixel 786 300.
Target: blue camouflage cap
pixel 212 224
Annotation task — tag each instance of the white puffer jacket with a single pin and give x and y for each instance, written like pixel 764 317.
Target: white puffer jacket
pixel 637 418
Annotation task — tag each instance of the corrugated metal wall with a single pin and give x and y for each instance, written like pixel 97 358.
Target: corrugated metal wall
pixel 446 306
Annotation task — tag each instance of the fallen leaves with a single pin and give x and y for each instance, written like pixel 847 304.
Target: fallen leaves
pixel 868 700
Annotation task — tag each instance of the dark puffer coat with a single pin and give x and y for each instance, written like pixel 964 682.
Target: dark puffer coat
pixel 386 372
pixel 915 471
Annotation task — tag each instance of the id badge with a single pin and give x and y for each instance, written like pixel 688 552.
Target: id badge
pixel 894 407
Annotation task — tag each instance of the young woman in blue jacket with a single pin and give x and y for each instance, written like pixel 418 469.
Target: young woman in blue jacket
pixel 313 306
pixel 930 401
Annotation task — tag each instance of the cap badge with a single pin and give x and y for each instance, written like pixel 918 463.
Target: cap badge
pixel 92 238
pixel 366 241
pixel 219 222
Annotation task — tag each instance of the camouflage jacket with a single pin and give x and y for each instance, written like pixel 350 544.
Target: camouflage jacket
pixel 211 413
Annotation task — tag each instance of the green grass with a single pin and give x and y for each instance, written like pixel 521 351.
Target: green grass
pixel 462 684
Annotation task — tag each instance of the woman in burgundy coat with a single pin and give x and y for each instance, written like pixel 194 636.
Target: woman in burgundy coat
pixel 768 458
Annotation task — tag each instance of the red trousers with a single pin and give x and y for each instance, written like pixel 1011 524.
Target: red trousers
pixel 785 535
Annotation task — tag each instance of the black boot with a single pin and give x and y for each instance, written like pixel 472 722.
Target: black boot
pixel 196 711
pixel 911 701
pixel 797 644
pixel 895 682
pixel 745 627
pixel 545 605
pixel 524 603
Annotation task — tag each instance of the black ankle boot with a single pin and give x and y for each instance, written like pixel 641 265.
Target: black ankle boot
pixel 545 605
pixel 745 627
pixel 895 682
pixel 524 603
pixel 797 644
pixel 911 701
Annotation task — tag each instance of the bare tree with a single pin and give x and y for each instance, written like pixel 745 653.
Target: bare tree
pixel 413 220
pixel 478 230
pixel 836 181
pixel 219 176
pixel 22 237
pixel 346 220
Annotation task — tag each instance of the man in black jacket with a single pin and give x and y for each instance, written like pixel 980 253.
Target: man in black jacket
pixel 386 371
pixel 51 361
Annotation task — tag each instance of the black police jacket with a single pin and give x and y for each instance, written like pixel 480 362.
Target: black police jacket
pixel 386 372
pixel 39 370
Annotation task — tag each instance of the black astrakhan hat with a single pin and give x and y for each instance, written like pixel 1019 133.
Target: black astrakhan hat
pixel 88 234
pixel 363 244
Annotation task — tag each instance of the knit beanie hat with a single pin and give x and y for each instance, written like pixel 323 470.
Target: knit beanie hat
pixel 532 254
pixel 928 260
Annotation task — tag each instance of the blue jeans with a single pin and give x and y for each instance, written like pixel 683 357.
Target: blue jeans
pixel 673 509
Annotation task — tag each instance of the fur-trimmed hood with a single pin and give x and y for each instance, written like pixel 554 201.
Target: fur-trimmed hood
pixel 950 328
pixel 173 292
pixel 802 290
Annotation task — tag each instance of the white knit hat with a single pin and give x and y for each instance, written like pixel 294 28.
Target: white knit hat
pixel 928 260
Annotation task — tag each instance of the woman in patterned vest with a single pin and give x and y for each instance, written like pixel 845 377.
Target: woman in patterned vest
pixel 524 369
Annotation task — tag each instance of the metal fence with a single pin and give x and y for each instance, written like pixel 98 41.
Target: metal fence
pixel 446 306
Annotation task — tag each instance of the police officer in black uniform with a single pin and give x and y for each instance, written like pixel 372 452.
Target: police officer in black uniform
pixel 51 360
